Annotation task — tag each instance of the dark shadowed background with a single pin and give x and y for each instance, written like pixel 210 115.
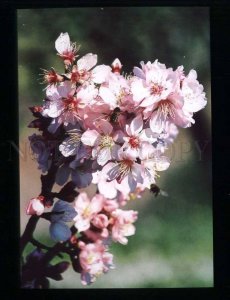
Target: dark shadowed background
pixel 172 246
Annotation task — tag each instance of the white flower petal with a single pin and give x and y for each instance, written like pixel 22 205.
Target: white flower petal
pixel 55 109
pixel 162 163
pixel 138 90
pixel 81 224
pixel 100 73
pixel 87 62
pixel 62 43
pixel 90 137
pixel 138 72
pixel 107 189
pixel 103 156
pixel 68 148
pixel 148 136
pixel 136 125
pixel 107 96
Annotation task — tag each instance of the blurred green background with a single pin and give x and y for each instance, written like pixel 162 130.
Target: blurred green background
pixel 173 244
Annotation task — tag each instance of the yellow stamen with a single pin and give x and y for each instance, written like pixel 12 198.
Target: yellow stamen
pixel 106 141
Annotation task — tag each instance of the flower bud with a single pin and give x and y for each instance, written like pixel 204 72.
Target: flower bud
pixel 116 66
pixel 100 221
pixel 110 205
pixel 35 207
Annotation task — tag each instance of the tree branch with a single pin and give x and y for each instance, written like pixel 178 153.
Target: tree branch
pixel 28 233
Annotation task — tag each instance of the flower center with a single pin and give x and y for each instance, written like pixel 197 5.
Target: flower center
pixel 134 142
pixel 106 141
pixel 86 212
pixel 120 95
pixel 70 104
pixel 124 169
pixel 166 108
pixel 79 75
pixel 156 89
pixel 75 137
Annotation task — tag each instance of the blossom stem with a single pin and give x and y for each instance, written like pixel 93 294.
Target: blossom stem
pixel 47 185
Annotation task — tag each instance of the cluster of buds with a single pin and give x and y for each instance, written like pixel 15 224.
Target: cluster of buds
pixel 112 130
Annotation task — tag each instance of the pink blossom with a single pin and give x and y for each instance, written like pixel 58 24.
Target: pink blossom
pixel 170 109
pixel 66 50
pixel 83 73
pixel 107 188
pixel 125 171
pixel 152 161
pixel 71 145
pixel 123 197
pixel 103 142
pixel 86 210
pixel 110 205
pixel 160 97
pixel 193 94
pixel 137 137
pixel 167 136
pixel 51 77
pixel 156 83
pixel 100 221
pixel 115 91
pixel 66 105
pixel 94 260
pixel 112 130
pixel 122 225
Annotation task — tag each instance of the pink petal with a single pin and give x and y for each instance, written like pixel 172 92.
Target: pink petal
pixel 104 127
pixel 100 73
pixel 52 93
pixel 90 137
pixel 87 93
pixel 112 173
pixel 96 204
pixel 138 72
pixel 136 125
pixel 162 163
pixel 138 90
pixel 103 156
pixel 114 151
pixel 177 100
pixel 181 119
pixel 107 96
pixel 55 109
pixel 107 189
pixel 65 89
pixel 118 136
pixel 124 186
pixel 136 172
pixel 62 43
pixel 148 136
pixel 131 182
pixel 149 100
pixel 157 122
pixel 81 224
pixel 146 151
pixel 81 202
pixel 87 62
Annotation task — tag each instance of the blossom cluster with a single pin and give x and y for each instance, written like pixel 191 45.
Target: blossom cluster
pixel 112 130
